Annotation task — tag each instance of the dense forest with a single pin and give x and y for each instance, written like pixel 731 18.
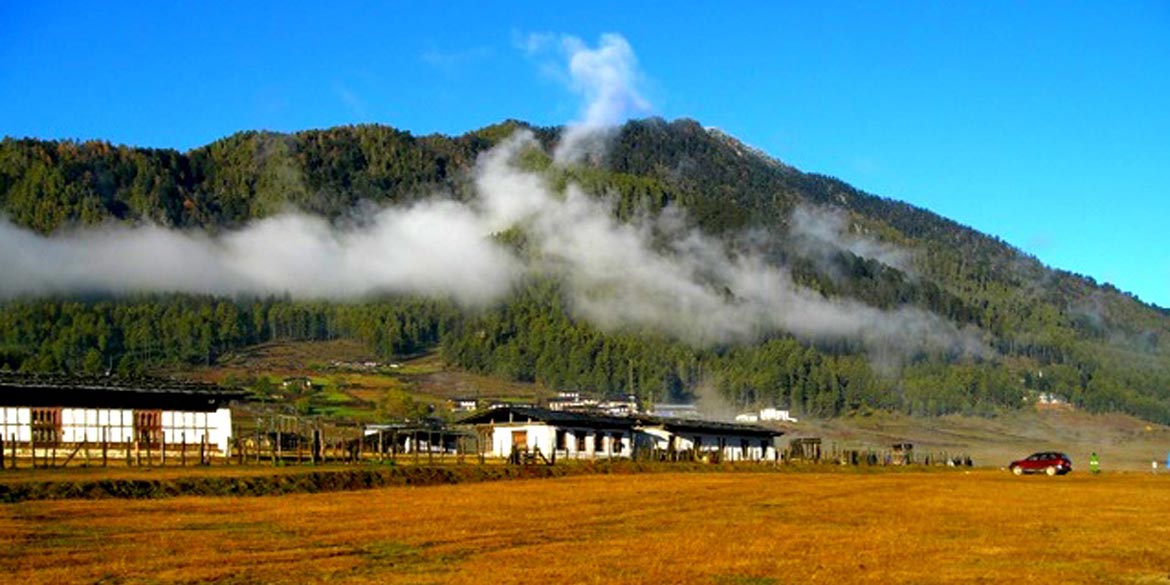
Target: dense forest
pixel 1049 331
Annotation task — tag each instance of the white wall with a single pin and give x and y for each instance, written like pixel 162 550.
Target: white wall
pixel 117 426
pixel 539 435
pixel 16 421
pixel 544 436
pixel 609 446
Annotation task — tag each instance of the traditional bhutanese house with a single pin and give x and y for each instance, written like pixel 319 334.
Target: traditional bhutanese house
pixel 692 438
pixel 563 434
pixel 41 410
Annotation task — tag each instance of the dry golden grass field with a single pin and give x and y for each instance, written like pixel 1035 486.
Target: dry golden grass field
pixel 982 526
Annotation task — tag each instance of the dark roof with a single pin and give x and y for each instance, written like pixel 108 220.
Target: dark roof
pixel 50 390
pixel 591 420
pixel 506 414
pixel 690 425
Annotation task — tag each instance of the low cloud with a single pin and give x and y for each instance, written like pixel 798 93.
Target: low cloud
pixel 433 248
pixel 606 78
pixel 819 232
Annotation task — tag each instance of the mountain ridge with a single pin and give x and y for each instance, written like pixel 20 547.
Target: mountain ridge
pixel 1093 340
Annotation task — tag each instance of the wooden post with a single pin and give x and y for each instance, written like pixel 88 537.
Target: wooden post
pixel 149 451
pixel 204 452
pixel 299 446
pixel 85 445
pixel 361 443
pixel 430 447
pixel 183 451
pixel 381 446
pixel 315 447
pixel 394 446
pixel 54 462
pixel 13 450
pixel 1 451
pixel 162 447
pixel 414 445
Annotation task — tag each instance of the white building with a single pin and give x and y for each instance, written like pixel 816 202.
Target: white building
pixel 41 410
pixel 765 415
pixel 774 414
pixel 576 435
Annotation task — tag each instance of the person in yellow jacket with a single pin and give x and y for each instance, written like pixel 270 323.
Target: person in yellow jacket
pixel 1094 464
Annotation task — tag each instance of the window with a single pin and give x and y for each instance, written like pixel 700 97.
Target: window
pixel 562 440
pixel 46 425
pixel 597 442
pixel 148 427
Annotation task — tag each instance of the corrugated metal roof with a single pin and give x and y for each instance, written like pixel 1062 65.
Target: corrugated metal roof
pixel 568 418
pixel 144 385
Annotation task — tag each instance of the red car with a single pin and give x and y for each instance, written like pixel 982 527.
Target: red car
pixel 1049 462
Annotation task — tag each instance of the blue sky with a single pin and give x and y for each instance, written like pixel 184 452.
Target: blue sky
pixel 1044 123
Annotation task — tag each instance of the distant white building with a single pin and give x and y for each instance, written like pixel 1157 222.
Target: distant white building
pixel 765 415
pixel 576 402
pixel 463 404
pixel 667 410
pixel 773 414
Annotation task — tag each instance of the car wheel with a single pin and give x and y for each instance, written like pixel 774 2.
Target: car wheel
pixel 1050 471
pixel 1018 470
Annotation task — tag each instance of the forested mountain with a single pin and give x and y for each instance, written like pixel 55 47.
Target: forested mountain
pixel 1046 330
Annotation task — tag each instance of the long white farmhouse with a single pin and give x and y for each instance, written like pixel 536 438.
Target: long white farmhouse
pixel 41 410
pixel 504 431
pixel 573 435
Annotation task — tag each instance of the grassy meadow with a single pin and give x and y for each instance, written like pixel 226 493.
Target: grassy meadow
pixel 981 526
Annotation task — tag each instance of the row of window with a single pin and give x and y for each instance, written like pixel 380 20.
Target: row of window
pixel 581 440
pixel 46 425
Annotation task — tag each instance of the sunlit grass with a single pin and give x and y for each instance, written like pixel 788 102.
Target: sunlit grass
pixel 956 527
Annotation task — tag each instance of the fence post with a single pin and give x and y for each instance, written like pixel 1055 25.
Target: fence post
pixel 1 451
pixel 105 445
pixel 183 449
